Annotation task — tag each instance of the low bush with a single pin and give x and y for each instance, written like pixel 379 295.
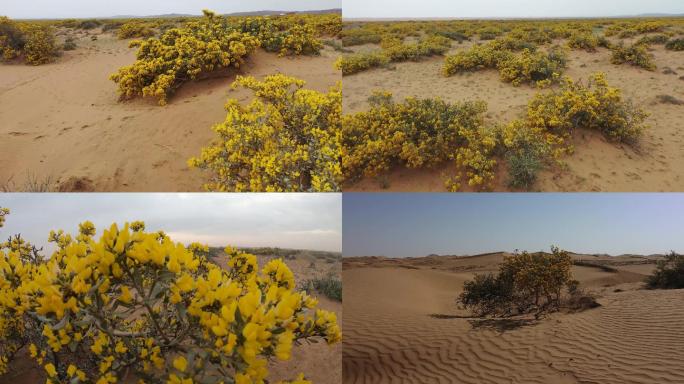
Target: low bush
pixel 34 42
pixel 476 58
pixel 595 106
pixel 330 286
pixel 418 133
pixel 669 273
pixel 533 67
pixel 179 55
pixel 585 41
pixel 653 39
pixel 135 30
pixel 12 39
pixel 528 66
pixel 286 139
pixel 525 283
pixel 675 45
pixel 359 62
pixel 635 54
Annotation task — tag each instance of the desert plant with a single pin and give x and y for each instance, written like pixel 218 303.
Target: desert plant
pixel 135 29
pixel 12 39
pixel 358 62
pixel 593 106
pixel 41 46
pixel 585 41
pixel 330 286
pixel 136 303
pixel 69 44
pixel 286 139
pixel 669 273
pixel 418 133
pixel 675 45
pixel 180 55
pixel 526 282
pixel 635 54
pixel 533 67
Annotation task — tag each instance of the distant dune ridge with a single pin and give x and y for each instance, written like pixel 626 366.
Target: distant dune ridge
pixel 402 325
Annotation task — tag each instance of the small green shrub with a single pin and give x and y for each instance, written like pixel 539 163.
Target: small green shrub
pixel 675 45
pixel 669 273
pixel 330 286
pixel 358 62
pixel 636 55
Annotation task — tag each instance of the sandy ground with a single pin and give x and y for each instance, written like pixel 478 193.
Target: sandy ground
pixel 636 336
pixel 62 123
pixel 597 165
pixel 320 362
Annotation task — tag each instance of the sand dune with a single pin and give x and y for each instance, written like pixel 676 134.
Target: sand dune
pixel 636 336
pixel 63 121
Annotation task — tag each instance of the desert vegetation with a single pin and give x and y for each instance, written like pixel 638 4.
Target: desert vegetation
pixel 669 273
pixel 132 304
pixel 424 132
pixel 526 283
pixel 293 145
pixel 494 150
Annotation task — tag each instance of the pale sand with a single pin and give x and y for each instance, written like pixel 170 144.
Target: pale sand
pixel 319 361
pixel 597 165
pixel 636 336
pixel 63 121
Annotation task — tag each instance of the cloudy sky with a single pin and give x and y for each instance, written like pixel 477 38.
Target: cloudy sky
pixel 55 9
pixel 304 221
pixel 417 224
pixel 505 8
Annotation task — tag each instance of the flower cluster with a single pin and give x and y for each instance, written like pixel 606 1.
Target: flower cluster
pixel 132 302
pixel 286 139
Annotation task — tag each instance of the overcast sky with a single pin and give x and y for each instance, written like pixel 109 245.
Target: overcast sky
pixel 303 221
pixel 505 8
pixel 55 9
pixel 400 225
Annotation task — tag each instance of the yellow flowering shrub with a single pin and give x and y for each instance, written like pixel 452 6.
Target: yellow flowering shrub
pixel 585 41
pixel 135 29
pixel 212 42
pixel 132 303
pixel 34 42
pixel 526 283
pixel 41 46
pixel 182 54
pixel 635 54
pixel 481 56
pixel 528 66
pixel 595 105
pixel 359 62
pixel 418 133
pixel 533 67
pixel 11 39
pixel 286 139
pixel 394 50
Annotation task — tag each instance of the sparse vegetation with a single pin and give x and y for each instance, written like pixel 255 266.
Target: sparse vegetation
pixel 669 273
pixel 525 283
pixel 330 286
pixel 636 55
